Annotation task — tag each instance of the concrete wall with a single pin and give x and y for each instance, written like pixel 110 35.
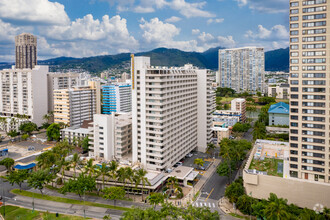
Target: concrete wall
pixel 300 192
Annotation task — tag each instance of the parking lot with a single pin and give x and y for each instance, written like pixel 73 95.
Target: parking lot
pixel 24 148
pixel 189 162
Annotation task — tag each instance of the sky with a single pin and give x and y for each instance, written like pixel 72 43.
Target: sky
pixel 83 28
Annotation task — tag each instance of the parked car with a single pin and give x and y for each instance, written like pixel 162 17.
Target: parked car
pixel 178 164
pixel 202 168
pixel 189 155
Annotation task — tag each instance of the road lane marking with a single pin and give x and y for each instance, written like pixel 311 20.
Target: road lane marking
pixel 196 204
pixel 213 205
pixel 209 195
pixel 205 204
pixel 210 205
pixel 201 204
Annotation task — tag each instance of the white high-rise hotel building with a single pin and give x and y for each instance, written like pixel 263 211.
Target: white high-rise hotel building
pixel 309 85
pixel 171 112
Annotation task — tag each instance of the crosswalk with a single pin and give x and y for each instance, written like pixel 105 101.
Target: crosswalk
pixel 204 204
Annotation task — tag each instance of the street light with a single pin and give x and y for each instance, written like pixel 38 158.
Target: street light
pixel 84 203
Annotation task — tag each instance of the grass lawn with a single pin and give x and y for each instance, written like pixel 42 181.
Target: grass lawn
pixel 224 99
pixel 14 212
pixel 237 216
pixel 65 200
pixel 268 165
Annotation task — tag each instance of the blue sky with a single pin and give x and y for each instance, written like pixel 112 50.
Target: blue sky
pixel 81 28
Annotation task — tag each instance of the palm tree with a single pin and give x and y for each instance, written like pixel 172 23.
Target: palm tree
pixel 172 183
pixel 199 162
pixel 120 174
pixel 75 161
pixel 89 167
pixel 276 208
pixel 103 171
pixel 141 178
pixel 63 165
pixel 113 166
pixel 129 175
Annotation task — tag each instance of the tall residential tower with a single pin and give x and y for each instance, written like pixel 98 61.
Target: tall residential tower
pixel 309 84
pixel 242 69
pixel 26 51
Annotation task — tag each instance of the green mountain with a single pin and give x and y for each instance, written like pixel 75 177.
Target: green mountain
pixel 276 60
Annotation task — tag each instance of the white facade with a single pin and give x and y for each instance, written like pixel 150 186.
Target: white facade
pixel 168 110
pixel 242 69
pixel 24 91
pixel 239 105
pixel 75 133
pixel 111 136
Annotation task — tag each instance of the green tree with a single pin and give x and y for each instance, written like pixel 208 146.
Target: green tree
pixel 90 168
pixel 259 131
pixel 17 177
pixel 113 166
pixel 79 185
pixel 172 183
pixel 104 172
pixel 85 144
pixel 46 159
pixel 155 199
pixel 199 162
pixel 63 166
pixel 192 213
pixel 234 191
pixel 53 132
pixel 12 133
pixel 114 193
pixel 28 127
pixel 75 161
pixel 25 137
pixel 40 178
pixel 8 163
pixel 210 148
pixel 276 208
pixel 141 178
pixel 223 169
pixel 244 204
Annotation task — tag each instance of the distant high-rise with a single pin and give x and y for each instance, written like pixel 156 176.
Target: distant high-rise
pixel 242 69
pixel 26 51
pixel 116 98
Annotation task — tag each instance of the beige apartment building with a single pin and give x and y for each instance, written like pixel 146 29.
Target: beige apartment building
pixel 111 136
pixel 56 81
pixel 75 105
pixel 26 51
pixel 171 113
pixel 309 84
pixel 279 91
pixel 239 104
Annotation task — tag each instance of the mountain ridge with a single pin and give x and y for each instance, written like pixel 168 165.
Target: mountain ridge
pixel 275 60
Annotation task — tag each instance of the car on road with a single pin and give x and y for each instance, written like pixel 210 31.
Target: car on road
pixel 189 155
pixel 178 164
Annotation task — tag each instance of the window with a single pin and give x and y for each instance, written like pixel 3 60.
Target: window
pixel 314 31
pixel 294 61
pixel 314 2
pixel 294 54
pixel 314 53
pixel 314 9
pixel 294 82
pixel 294 68
pixel 294 11
pixel 294 18
pixel 294 4
pixel 294 89
pixel 316 16
pixel 294 47
pixel 294 40
pixel 295 25
pixel 314 24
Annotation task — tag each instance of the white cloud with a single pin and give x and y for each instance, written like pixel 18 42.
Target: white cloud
pixel 276 32
pixel 195 31
pixel 159 34
pixel 7 32
pixel 216 20
pixel 274 38
pixel 88 36
pixel 173 19
pixel 190 9
pixel 33 12
pixel 266 6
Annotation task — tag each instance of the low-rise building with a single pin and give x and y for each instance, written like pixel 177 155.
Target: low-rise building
pixel 279 114
pixel 111 136
pixel 279 91
pixel 76 133
pixel 239 105
pixel 220 133
pixel 227 116
pixel 268 171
